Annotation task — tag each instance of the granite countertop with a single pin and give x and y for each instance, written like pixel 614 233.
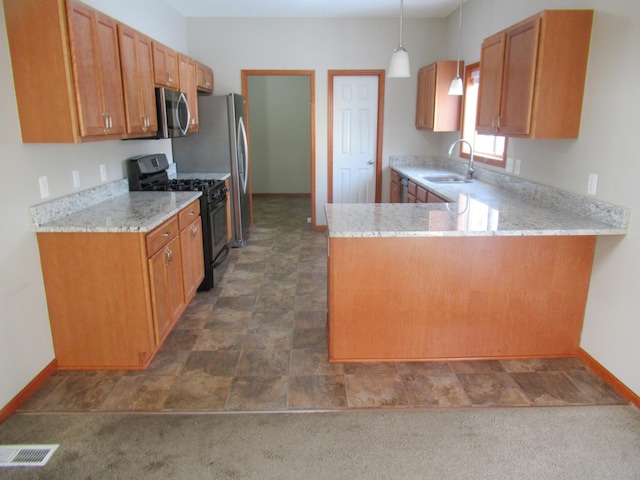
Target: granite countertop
pixel 125 212
pixel 479 208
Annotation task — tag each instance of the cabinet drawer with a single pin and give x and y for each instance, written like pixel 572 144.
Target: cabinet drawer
pixel 162 235
pixel 188 214
pixel 433 198
pixel 421 194
pixel 412 188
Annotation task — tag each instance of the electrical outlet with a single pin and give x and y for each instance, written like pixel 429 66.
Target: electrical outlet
pixel 508 166
pixel 592 186
pixel 516 168
pixel 103 172
pixel 76 178
pixel 44 187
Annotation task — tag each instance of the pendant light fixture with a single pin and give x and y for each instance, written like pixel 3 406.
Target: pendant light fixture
pixel 456 87
pixel 399 66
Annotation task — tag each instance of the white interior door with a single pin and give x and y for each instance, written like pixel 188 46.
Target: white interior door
pixel 355 125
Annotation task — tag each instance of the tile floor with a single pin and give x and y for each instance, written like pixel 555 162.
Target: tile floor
pixel 257 342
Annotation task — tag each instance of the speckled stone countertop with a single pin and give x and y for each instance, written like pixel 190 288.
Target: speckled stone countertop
pixel 491 205
pixel 110 208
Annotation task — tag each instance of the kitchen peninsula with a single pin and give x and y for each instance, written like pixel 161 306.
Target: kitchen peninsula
pixel 501 270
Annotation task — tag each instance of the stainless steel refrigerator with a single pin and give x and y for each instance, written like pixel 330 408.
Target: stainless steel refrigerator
pixel 220 146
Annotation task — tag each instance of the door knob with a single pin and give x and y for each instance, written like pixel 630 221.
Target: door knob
pixel 371 162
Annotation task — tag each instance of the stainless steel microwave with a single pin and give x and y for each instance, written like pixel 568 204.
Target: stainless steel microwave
pixel 174 117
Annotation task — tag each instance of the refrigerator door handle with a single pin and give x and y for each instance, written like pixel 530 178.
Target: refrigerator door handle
pixel 242 136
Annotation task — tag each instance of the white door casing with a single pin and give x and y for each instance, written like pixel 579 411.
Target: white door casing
pixel 355 124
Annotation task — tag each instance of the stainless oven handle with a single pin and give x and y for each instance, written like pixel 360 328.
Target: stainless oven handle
pixel 222 256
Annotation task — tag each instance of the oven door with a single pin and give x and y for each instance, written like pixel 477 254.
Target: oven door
pixel 218 230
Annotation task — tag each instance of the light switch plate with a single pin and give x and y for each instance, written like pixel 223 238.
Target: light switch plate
pixel 103 172
pixel 592 186
pixel 76 178
pixel 508 166
pixel 516 168
pixel 44 187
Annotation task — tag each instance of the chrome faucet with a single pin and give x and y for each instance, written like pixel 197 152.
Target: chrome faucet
pixel 470 168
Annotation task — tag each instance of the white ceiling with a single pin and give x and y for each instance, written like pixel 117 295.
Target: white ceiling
pixel 314 8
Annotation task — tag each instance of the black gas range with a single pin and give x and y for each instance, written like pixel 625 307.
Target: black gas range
pixel 150 173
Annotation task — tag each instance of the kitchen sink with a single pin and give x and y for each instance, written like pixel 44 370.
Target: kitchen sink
pixel 446 178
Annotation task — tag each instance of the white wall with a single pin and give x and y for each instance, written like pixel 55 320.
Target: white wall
pixel 25 338
pixel 230 45
pixel 606 146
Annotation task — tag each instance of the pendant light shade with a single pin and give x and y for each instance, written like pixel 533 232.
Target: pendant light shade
pixel 456 87
pixel 399 66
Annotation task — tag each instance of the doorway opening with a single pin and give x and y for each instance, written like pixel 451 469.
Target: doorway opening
pixel 281 129
pixel 368 129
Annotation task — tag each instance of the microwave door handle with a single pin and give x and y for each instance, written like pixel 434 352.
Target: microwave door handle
pixel 183 99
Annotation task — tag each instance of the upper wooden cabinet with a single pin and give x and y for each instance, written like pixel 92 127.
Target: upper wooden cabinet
pixel 74 73
pixel 435 109
pixel 188 85
pixel 165 66
pixel 66 71
pixel 204 78
pixel 96 69
pixel 532 76
pixel 136 57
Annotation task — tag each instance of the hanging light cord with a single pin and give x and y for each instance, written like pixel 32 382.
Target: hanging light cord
pixel 401 9
pixel 459 41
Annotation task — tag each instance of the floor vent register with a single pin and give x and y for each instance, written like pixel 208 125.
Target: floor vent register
pixel 26 455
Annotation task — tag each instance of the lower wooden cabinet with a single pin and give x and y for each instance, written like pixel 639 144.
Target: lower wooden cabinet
pixel 167 292
pixel 114 297
pixel 395 188
pixel 192 258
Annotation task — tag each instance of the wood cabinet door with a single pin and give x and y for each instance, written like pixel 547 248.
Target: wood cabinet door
pixel 82 26
pixel 429 96
pixel 167 292
pixel 165 66
pixel 491 75
pixel 520 60
pixel 188 78
pixel 97 74
pixel 136 58
pixel 420 100
pixel 111 74
pixel 204 80
pixel 192 258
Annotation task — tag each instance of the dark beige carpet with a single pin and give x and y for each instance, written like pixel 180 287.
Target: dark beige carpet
pixel 600 442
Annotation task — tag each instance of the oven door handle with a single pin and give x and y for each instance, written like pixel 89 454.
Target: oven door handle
pixel 221 257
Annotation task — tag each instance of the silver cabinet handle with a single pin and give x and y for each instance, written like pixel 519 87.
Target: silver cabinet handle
pixel 106 122
pixel 167 233
pixel 169 78
pixel 169 255
pixel 500 122
pixel 194 231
